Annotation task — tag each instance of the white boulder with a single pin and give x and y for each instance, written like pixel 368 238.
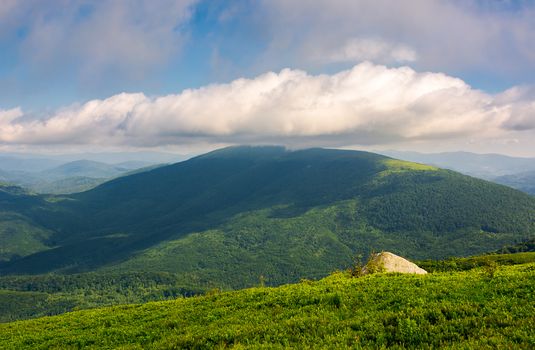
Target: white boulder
pixel 388 262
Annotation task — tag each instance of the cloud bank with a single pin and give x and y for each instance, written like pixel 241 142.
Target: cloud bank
pixel 367 105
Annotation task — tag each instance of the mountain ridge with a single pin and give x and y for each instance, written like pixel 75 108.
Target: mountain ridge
pixel 285 214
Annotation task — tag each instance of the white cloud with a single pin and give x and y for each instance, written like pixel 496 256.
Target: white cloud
pixel 368 49
pixel 368 104
pixel 520 102
pixel 10 115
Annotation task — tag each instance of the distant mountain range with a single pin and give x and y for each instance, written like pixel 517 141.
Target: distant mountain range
pixel 515 172
pixel 37 162
pixel 70 177
pixel 227 217
pixel 524 181
pixel 61 175
pixel 25 163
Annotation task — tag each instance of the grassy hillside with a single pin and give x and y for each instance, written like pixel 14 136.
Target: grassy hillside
pixel 488 261
pixel 471 309
pixel 235 214
pixel 23 297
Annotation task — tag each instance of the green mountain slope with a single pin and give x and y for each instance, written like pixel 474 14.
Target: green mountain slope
pixel 235 214
pixel 472 309
pixel 19 234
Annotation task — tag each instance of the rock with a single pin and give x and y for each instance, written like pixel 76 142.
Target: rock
pixel 388 262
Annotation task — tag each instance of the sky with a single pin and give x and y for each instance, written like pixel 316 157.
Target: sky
pixel 192 75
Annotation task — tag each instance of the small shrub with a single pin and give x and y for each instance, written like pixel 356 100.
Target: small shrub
pixel 374 264
pixel 490 267
pixel 261 281
pixel 356 269
pixel 334 299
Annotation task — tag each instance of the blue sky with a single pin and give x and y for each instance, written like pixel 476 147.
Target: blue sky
pixel 56 57
pixel 208 49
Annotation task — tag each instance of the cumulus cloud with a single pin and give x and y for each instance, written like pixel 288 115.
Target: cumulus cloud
pixel 368 104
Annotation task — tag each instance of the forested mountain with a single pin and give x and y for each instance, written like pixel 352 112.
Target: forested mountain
pixel 20 235
pixel 230 216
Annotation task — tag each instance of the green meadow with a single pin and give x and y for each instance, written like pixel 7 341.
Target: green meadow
pixel 479 308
